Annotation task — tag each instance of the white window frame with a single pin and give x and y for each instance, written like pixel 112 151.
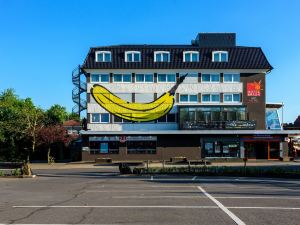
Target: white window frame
pixel 231 77
pixel 189 98
pixel 122 74
pixel 232 102
pixel 162 52
pixel 172 82
pixel 144 78
pixel 102 52
pixel 132 53
pixel 210 102
pixel 215 82
pixel 219 52
pixel 100 118
pixel 190 52
pixel 99 74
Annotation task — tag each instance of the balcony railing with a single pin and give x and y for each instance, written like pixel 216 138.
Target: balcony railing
pixel 218 125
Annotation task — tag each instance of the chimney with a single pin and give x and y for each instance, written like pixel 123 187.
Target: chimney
pixel 215 40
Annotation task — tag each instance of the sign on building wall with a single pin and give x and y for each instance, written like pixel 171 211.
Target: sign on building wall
pixel 254 88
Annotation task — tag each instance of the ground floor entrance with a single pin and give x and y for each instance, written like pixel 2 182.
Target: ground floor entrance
pixel 262 150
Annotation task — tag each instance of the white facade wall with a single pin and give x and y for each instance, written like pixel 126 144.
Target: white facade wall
pixel 145 93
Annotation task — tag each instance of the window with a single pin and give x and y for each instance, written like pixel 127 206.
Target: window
pixel 220 56
pixel 144 78
pixel 100 117
pixel 210 98
pixel 169 118
pixel 188 98
pixel 103 78
pixel 191 56
pixel 213 78
pixel 132 56
pixel 104 147
pixel 166 78
pixel 161 56
pixel 120 120
pixel 103 56
pixel 141 147
pixel 122 78
pixel 232 98
pixel 228 77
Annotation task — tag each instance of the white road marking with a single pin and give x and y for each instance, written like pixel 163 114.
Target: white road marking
pixel 104 191
pixel 194 178
pixel 117 206
pixel 223 208
pixel 151 178
pixel 262 207
pixel 197 196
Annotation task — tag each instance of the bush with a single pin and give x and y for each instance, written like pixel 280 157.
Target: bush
pixel 124 168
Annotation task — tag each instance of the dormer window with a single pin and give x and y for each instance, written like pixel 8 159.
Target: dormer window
pixel 190 56
pixel 132 56
pixel 103 56
pixel 220 56
pixel 161 56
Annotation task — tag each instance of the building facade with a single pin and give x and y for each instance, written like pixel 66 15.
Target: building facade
pixel 203 100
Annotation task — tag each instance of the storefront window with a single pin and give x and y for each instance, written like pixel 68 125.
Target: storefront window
pixel 104 147
pixel 141 147
pixel 222 148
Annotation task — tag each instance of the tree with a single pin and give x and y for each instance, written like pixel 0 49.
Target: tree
pixel 53 134
pixel 56 114
pixel 73 116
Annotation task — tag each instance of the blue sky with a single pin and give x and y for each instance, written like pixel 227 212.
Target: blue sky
pixel 42 41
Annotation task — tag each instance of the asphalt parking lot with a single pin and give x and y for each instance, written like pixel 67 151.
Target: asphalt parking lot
pixel 102 196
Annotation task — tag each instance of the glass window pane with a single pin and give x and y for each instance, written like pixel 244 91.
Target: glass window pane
pixel 148 77
pixel 227 98
pixel 194 57
pixel 158 57
pixel 171 117
pixel 136 57
pixel 117 77
pixel 227 77
pixel 165 57
pixel 100 57
pixel 171 77
pixel 104 147
pixel 236 77
pixel 187 57
pixel 236 97
pixel 117 119
pixel 215 77
pixel 107 57
pixel 95 77
pixel 215 98
pixel 223 57
pixel 104 118
pixel 206 77
pixel 162 119
pixel 161 77
pixel 184 98
pixel 129 57
pixel 216 57
pixel 206 98
pixel 139 77
pixel 104 77
pixel 126 77
pixel 95 118
pixel 193 98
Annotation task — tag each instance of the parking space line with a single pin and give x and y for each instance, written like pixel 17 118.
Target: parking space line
pixel 222 207
pixel 159 196
pixel 194 178
pixel 263 207
pixel 137 190
pixel 118 206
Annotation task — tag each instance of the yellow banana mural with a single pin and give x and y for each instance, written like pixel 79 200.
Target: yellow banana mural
pixel 137 112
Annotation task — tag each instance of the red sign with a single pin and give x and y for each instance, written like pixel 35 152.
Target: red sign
pixel 122 139
pixel 253 88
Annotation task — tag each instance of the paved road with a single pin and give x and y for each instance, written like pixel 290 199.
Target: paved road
pixel 102 196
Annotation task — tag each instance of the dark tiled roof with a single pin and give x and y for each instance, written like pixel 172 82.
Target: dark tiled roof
pixel 239 58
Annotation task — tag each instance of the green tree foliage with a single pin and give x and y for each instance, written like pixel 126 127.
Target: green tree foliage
pixel 57 114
